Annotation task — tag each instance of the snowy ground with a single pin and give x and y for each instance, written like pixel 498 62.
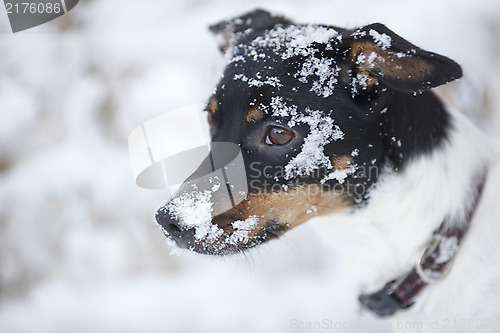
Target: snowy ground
pixel 79 251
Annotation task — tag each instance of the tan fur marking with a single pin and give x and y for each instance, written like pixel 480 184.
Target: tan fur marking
pixel 292 207
pixel 213 105
pixel 388 63
pixel 255 114
pixel 225 40
pixel 342 162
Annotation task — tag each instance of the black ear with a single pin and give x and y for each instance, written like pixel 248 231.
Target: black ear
pixel 254 23
pixel 380 55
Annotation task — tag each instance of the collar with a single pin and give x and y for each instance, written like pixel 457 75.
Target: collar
pixel 433 265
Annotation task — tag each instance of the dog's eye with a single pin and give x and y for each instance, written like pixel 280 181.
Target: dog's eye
pixel 278 136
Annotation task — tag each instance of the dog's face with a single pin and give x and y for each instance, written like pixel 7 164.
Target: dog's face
pixel 311 108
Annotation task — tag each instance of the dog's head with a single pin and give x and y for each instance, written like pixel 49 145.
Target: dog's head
pixel 313 110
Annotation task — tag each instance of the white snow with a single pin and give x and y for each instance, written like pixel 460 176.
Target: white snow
pixel 242 229
pixel 281 110
pixel 381 39
pixel 359 82
pixel 340 175
pixel 374 56
pixel 258 82
pixel 322 131
pixel 296 40
pixel 447 249
pixel 194 210
pixel 325 70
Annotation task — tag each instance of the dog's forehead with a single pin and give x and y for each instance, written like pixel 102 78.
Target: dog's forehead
pixel 285 42
pixel 291 60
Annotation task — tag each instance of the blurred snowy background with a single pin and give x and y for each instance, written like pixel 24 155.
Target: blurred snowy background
pixel 79 250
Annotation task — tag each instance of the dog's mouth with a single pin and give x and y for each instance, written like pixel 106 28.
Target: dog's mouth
pixel 192 227
pixel 260 217
pixel 245 235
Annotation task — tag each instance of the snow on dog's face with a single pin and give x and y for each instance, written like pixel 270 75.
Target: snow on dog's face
pixel 307 106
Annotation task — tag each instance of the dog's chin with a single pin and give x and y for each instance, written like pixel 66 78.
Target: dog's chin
pixel 227 245
pixel 216 248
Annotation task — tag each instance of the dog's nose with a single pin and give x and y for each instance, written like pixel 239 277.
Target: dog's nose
pixel 172 228
pixel 169 225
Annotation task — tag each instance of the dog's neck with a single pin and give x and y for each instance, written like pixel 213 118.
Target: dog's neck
pixel 385 238
pixel 413 124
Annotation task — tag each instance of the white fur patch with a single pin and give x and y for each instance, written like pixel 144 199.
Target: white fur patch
pixel 383 240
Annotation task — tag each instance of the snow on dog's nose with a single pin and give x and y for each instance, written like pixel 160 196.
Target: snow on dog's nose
pixel 187 218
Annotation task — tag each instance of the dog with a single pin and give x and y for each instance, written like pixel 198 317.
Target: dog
pixel 342 125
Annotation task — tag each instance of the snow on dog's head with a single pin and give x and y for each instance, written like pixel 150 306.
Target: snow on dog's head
pixel 309 108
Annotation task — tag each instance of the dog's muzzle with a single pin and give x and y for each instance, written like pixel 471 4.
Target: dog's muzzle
pixel 218 185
